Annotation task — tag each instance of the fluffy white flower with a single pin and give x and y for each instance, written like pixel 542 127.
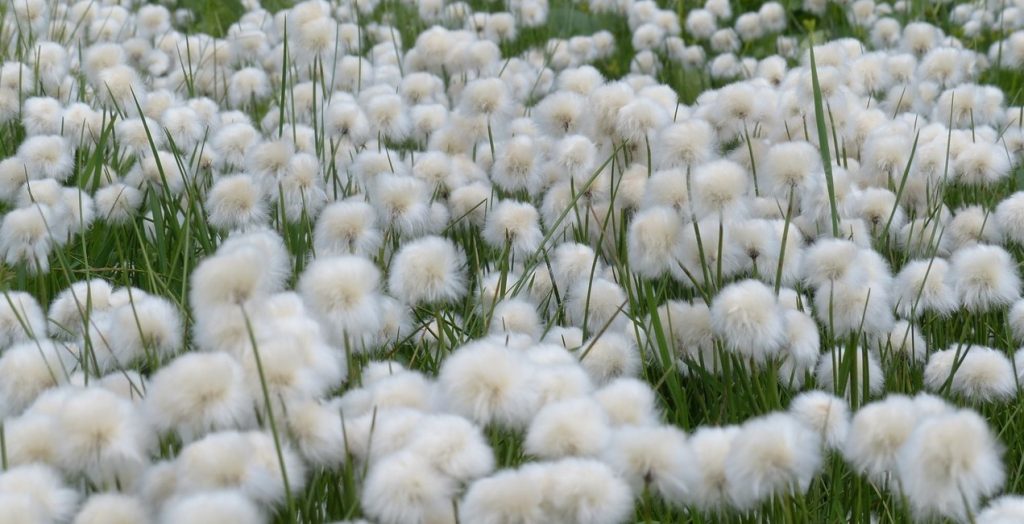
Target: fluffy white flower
pixel 199 393
pixel 948 464
pixel 488 384
pixel 427 270
pixel 747 317
pixel 771 456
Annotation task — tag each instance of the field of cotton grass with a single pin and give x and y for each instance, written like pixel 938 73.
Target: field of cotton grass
pixel 511 262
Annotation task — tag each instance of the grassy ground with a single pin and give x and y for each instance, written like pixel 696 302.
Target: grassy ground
pixel 125 256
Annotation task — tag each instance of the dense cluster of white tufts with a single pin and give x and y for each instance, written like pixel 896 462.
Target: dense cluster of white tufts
pixel 473 274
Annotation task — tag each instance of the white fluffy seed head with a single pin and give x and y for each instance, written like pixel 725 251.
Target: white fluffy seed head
pixel 44 489
pixel 21 318
pixel 199 393
pixel 975 372
pixel 984 277
pixel 236 202
pixel 657 458
pixel 948 464
pixel 877 433
pixel 403 487
pixel 427 270
pixel 827 415
pixel 655 234
pixel 516 224
pixel 488 384
pixel 569 428
pixel 747 317
pixel 211 507
pixel 770 456
pixel 27 369
pixel 343 292
pixel 112 508
pixel 719 188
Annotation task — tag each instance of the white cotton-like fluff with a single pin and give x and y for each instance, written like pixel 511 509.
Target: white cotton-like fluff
pixel 688 329
pixel 801 350
pixel 860 301
pixel 877 433
pixel 608 357
pixel 515 224
pixel 41 116
pixel 838 362
pixel 1015 320
pixel 27 236
pixel 47 156
pixel 575 427
pixel 342 291
pixel 971 226
pixel 232 278
pixel 232 143
pixel 32 438
pixel 628 402
pixel 1009 216
pixel 52 500
pixel 146 327
pixel 427 270
pixel 469 204
pixel 719 189
pixel 827 260
pixel 567 337
pixel 112 508
pixel 981 164
pixel 655 235
pixel 348 227
pixel 515 167
pixel 489 384
pixel 686 144
pixel 556 382
pixel 403 487
pixel 711 446
pixel 747 317
pixel 562 113
pixel 771 456
pixel 21 318
pixel 572 263
pixel 510 495
pixel 984 277
pixel 199 393
pixel 454 446
pixel 105 437
pixel 20 508
pixel 118 202
pixel 1007 509
pixel 376 434
pixel 403 389
pixel 789 167
pixel 515 315
pixel 655 458
pixel 583 491
pixel 30 368
pixel 211 507
pixel 247 462
pixel 977 373
pixel 948 464
pixel 827 415
pixel 903 340
pixel 667 188
pixel 317 432
pixel 69 312
pixel 923 286
pixel 593 304
pixel 236 202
